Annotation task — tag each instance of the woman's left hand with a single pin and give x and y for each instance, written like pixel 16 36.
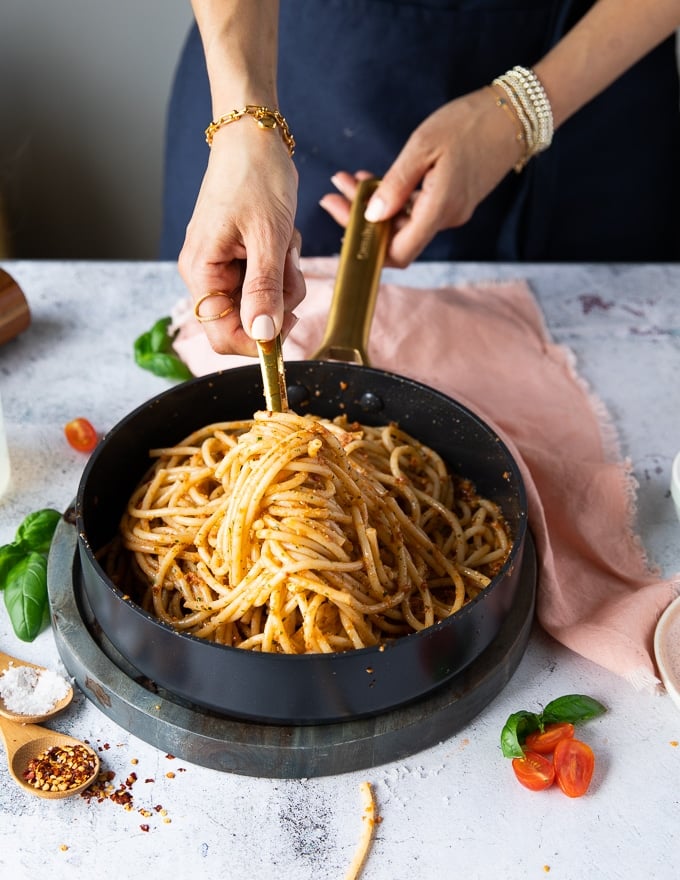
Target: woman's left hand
pixel 452 161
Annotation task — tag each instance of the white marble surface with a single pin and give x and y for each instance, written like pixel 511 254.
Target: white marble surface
pixel 453 810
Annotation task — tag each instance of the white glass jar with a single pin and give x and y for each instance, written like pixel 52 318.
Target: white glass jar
pixel 4 456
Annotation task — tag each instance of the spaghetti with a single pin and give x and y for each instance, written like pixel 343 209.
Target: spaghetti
pixel 369 820
pixel 298 534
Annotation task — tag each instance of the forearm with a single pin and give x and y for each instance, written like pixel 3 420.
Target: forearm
pixel 240 41
pixel 608 40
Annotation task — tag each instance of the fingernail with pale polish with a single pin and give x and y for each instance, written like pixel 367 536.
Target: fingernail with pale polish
pixel 263 328
pixel 374 210
pixel 295 257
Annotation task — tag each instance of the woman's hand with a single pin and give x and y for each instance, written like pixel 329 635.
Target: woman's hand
pixel 452 161
pixel 241 240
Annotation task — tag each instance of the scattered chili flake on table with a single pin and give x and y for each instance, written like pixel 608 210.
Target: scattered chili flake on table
pixel 60 768
pixel 103 789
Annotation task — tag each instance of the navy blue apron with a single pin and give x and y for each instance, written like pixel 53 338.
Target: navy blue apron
pixel 357 76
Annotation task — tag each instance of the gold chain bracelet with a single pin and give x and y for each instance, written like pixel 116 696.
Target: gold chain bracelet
pixel 265 118
pixel 520 132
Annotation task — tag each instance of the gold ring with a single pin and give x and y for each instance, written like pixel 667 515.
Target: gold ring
pixel 203 319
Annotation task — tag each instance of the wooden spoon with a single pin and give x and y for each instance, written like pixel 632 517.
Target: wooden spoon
pixel 24 742
pixel 5 662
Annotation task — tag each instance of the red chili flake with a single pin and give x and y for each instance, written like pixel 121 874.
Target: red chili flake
pixel 121 796
pixel 60 768
pixel 144 827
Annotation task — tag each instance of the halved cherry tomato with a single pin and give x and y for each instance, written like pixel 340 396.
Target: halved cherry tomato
pixel 574 764
pixel 534 771
pixel 544 741
pixel 81 435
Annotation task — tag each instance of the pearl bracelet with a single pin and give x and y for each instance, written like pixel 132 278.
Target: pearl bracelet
pixel 265 118
pixel 532 107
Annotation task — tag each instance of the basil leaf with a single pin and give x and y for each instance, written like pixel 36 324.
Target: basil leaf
pixel 572 708
pixel 518 726
pixel 153 351
pixel 159 339
pixel 10 555
pixel 167 366
pixel 26 596
pixel 37 530
pixel 142 347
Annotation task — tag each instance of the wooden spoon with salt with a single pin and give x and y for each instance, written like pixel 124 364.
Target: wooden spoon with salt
pixel 69 770
pixel 5 662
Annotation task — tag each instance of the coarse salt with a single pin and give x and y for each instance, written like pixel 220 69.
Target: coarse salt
pixel 29 691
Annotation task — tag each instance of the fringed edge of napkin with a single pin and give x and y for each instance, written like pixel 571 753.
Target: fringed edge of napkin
pixel 611 445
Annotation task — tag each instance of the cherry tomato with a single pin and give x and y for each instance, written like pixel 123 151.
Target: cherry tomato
pixel 81 435
pixel 544 741
pixel 574 764
pixel 534 771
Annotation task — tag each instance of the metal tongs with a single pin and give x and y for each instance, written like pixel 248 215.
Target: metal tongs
pixel 351 311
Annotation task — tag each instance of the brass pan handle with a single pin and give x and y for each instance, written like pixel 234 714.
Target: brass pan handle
pixel 356 287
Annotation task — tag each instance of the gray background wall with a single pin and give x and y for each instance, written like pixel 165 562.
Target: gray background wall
pixel 83 93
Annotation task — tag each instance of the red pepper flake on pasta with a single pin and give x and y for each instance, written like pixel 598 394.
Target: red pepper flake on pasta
pixel 314 504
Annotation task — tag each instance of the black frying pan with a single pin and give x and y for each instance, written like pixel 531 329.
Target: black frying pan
pixel 307 688
pixel 310 688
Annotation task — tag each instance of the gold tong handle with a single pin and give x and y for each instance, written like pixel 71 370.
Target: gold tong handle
pixel 356 286
pixel 273 374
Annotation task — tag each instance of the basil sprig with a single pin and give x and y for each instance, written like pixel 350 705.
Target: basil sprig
pixel 154 352
pixel 23 573
pixel 572 708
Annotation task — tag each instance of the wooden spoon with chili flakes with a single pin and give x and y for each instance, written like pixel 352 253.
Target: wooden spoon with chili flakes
pixel 46 763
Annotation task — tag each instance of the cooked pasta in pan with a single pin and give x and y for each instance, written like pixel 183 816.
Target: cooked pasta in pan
pixel 297 534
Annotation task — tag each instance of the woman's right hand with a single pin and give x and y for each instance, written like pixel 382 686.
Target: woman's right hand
pixel 241 240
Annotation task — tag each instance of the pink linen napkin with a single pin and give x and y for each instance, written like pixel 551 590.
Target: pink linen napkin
pixel 486 345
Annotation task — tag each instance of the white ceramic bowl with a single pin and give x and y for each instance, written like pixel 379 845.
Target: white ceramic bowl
pixel 667 649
